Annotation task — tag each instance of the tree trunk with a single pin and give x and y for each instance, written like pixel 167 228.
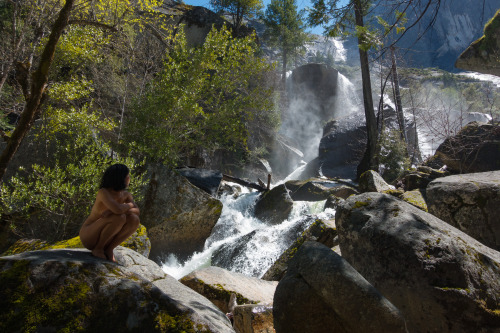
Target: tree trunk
pixel 368 162
pixel 399 104
pixel 40 78
pixel 283 71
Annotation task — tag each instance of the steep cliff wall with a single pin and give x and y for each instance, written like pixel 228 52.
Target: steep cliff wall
pixel 458 23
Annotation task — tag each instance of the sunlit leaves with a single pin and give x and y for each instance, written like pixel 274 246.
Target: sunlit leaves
pixel 51 202
pixel 75 88
pixel 205 97
pixel 398 26
pixel 367 38
pixel 80 44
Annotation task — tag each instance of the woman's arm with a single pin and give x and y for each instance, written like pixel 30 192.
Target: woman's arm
pixel 135 209
pixel 116 208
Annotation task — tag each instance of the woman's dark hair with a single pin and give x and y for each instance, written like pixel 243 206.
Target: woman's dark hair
pixel 114 177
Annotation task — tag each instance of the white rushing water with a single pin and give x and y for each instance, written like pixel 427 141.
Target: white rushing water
pixel 251 246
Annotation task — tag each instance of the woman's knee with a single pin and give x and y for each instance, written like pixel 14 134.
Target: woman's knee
pixel 133 220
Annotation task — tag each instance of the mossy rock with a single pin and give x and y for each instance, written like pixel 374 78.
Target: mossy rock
pixel 217 284
pixel 483 55
pixel 68 290
pixel 372 181
pixel 138 242
pixel 416 198
pixel 316 189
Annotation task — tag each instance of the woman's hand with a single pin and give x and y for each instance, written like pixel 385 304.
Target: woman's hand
pixel 106 213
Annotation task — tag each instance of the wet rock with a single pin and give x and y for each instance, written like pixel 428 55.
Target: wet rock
pixel 172 209
pixel 323 232
pixel 274 206
pixel 70 290
pixel 316 189
pixel 342 145
pixel 217 284
pixel 261 245
pixel 333 202
pixel 207 180
pixel 441 279
pixel 229 189
pixel 321 292
pixel 371 181
pixel 469 202
pixel 250 318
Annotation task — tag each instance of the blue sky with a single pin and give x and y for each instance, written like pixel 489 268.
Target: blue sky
pixel 300 4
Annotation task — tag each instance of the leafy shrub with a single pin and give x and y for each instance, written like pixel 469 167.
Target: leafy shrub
pixel 206 97
pixel 393 156
pixel 51 202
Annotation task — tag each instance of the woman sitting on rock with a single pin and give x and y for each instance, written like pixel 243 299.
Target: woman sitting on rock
pixel 114 216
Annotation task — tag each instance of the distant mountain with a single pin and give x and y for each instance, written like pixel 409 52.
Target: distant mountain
pixel 458 23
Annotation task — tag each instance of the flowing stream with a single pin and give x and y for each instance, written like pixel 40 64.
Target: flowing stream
pixel 242 243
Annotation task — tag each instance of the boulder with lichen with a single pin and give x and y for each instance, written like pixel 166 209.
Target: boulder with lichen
pixel 441 279
pixel 69 290
pixel 138 242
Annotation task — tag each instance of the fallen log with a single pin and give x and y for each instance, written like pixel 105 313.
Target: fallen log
pixel 244 183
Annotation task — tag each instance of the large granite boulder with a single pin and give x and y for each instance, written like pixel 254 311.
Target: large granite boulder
pixel 342 146
pixel 217 284
pixel 253 318
pixel 416 198
pixel 69 290
pixel 344 142
pixel 320 231
pixel 419 178
pixel 172 209
pixel 475 148
pixel 321 292
pixel 441 279
pixel 469 202
pixel 207 180
pixel 372 181
pixel 483 55
pixel 316 189
pixel 274 206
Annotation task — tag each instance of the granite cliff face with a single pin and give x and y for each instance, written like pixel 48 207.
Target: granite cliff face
pixel 458 23
pixel 483 55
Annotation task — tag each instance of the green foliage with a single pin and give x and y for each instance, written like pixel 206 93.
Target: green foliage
pixel 285 27
pixel 397 26
pixel 205 97
pixel 239 9
pixel 367 38
pixel 393 155
pixel 51 203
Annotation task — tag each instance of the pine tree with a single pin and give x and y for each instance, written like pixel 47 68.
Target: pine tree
pixel 285 29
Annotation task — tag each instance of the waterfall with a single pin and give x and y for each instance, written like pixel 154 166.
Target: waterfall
pixel 242 243
pixel 347 100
